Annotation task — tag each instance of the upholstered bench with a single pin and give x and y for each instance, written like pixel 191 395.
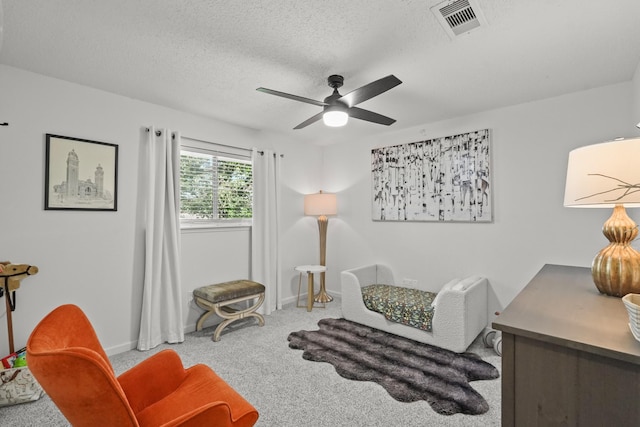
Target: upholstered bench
pixel 217 298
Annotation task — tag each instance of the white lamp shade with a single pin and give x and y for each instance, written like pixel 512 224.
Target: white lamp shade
pixel 335 118
pixel 320 204
pixel 604 175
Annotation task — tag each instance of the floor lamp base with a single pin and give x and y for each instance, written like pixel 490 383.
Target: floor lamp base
pixel 322 296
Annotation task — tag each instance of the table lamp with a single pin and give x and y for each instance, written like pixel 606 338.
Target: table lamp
pixel 607 175
pixel 321 204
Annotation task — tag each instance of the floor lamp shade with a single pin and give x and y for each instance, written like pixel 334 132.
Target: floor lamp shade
pixel 320 205
pixel 607 175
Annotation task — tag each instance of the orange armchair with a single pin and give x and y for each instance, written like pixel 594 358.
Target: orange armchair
pixel 65 356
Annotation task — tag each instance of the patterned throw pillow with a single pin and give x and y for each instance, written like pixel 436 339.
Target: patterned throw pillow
pixel 17 385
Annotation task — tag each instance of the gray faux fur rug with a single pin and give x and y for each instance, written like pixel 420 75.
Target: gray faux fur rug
pixel 408 370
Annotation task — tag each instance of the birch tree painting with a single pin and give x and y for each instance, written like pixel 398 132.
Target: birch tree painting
pixel 441 179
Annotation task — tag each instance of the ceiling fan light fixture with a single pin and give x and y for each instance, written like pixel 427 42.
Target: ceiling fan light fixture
pixel 335 118
pixel 337 108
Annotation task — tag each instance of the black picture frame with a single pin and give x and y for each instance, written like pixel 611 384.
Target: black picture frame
pixel 80 174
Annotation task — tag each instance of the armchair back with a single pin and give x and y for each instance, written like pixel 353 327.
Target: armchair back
pixel 65 356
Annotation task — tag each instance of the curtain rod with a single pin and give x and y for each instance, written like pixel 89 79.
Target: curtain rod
pixel 158 133
pixel 274 154
pixel 216 143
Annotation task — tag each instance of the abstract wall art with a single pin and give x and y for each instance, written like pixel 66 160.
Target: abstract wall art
pixel 445 179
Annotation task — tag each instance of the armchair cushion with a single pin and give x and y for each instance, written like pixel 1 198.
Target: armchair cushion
pixel 152 379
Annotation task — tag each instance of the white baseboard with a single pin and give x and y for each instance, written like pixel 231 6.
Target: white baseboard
pixel 121 348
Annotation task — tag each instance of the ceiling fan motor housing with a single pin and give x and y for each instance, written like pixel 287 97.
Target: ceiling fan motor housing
pixel 335 111
pixel 335 81
pixel 334 100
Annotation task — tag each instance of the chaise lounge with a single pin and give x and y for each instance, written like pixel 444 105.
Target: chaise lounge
pixel 459 308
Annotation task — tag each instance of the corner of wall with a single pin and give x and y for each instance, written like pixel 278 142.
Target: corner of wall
pixel 636 95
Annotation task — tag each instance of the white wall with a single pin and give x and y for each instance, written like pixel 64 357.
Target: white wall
pixel 530 145
pixel 94 259
pixel 636 98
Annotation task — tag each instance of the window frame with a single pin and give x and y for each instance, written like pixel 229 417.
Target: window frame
pixel 223 152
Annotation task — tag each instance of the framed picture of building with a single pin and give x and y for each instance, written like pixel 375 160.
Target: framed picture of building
pixel 80 174
pixel 445 179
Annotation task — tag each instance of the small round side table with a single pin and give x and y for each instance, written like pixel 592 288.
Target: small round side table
pixel 309 270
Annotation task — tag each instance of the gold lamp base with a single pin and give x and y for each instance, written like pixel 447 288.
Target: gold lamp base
pixel 322 296
pixel 616 268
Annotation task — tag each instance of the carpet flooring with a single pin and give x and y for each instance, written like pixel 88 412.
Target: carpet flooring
pixel 287 390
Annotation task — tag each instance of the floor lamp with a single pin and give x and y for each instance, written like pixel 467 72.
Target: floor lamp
pixel 320 205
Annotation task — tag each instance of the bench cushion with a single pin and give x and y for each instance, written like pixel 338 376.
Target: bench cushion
pixel 408 306
pixel 228 290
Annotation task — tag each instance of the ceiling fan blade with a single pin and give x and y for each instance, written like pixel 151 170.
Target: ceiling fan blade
pixel 294 97
pixel 310 120
pixel 369 91
pixel 370 116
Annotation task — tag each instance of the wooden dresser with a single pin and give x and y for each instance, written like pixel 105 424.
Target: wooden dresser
pixel 568 356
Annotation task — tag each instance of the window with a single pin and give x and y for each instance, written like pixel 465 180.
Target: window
pixel 215 189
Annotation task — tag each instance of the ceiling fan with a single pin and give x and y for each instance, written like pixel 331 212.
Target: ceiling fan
pixel 338 108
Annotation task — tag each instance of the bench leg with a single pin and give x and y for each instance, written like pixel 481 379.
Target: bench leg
pixel 203 317
pixel 229 314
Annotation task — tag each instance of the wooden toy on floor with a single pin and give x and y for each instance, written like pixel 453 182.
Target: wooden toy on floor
pixel 10 277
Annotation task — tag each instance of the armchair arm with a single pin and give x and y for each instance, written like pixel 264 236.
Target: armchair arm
pixel 152 379
pixel 204 399
pixel 225 407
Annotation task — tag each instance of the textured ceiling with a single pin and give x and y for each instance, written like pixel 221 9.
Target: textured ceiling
pixel 208 57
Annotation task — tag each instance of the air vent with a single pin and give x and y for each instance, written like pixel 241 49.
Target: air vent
pixel 459 17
